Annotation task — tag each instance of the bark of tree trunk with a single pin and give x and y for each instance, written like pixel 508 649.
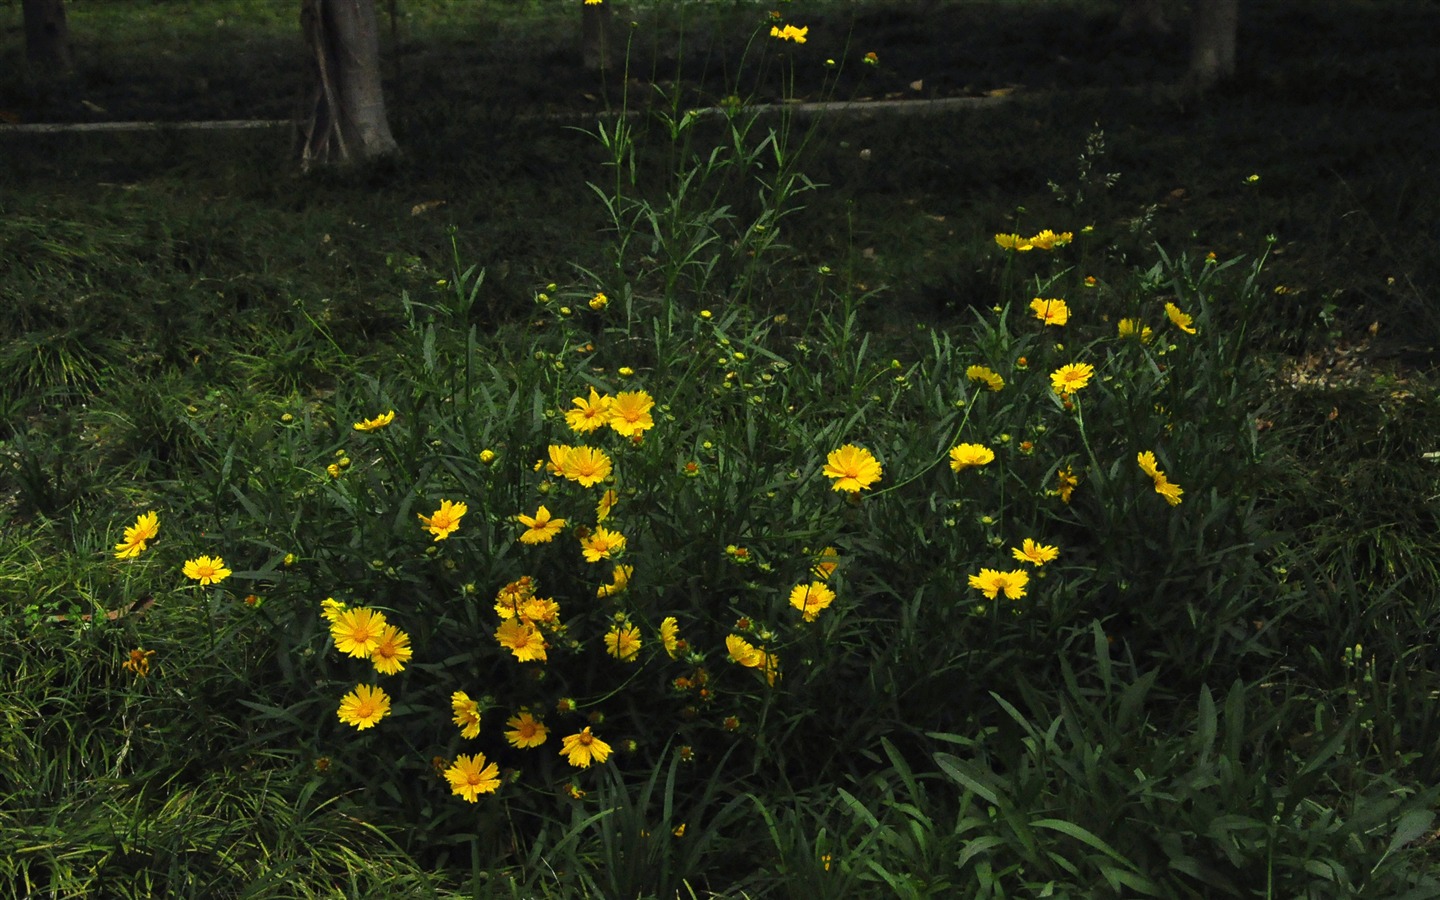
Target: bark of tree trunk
pixel 47 35
pixel 595 36
pixel 1212 54
pixel 347 117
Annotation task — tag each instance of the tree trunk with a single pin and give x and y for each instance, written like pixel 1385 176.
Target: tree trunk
pixel 47 36
pixel 595 36
pixel 1212 55
pixel 347 116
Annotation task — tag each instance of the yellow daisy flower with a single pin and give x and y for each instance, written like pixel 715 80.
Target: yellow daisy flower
pixel 1181 320
pixel 526 731
pixel 967 456
pixel 206 569
pixel 1070 378
pixel 522 639
pixel 471 776
pixel 1051 312
pixel 584 748
pixel 587 465
pixel 630 413
pixel 392 651
pixel 622 641
pixel 811 599
pixel 146 526
pixel 443 522
pixel 985 376
pixel 621 581
pixel 364 706
pixel 539 528
pixel 588 414
pixel 466 714
pixel 1034 553
pixel 376 423
pixel 601 543
pixel 670 636
pixel 992 582
pixel 852 468
pixel 357 632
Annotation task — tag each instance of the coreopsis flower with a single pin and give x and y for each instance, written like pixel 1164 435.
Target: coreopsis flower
pixel 670 636
pixel 443 522
pixel 139 662
pixel 992 582
pixel 146 526
pixel 584 748
pixel 522 639
pixel 790 33
pixel 605 504
pixel 622 641
pixel 1070 378
pixel 599 301
pixel 357 632
pixel 1034 553
pixel 557 454
pixel 601 543
pixel 392 651
pixel 364 706
pixel 471 776
pixel 968 456
pixel 621 580
pixel 540 611
pixel 1148 465
pixel 588 414
pixel 826 563
pixel 540 528
pixel 811 599
pixel 526 731
pixel 1131 328
pixel 985 376
pixel 1169 490
pixel 743 652
pixel 330 609
pixel 587 465
pixel 1065 483
pixel 511 596
pixel 1014 242
pixel 852 468
pixel 206 569
pixel 466 714
pixel 376 423
pixel 1181 320
pixel 1049 240
pixel 1051 312
pixel 630 413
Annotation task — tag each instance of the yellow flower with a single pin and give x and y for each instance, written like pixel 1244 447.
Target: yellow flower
pixel 1013 242
pixel 620 582
pixel 1170 491
pixel 584 748
pixel 1148 465
pixel 330 609
pixel 826 563
pixel 1070 378
pixel 1182 320
pixel 607 503
pixel 992 582
pixel 853 468
pixel 965 456
pixel 470 777
pixel 466 714
pixel 364 706
pixel 1066 482
pixel 811 599
pixel 588 414
pixel 670 636
pixel 540 611
pixel 1049 240
pixel 526 731
pixel 206 569
pixel 522 639
pixel 586 465
pixel 558 454
pixel 392 651
pixel 602 542
pixel 1131 328
pixel 146 526
pixel 1033 553
pixel 790 33
pixel 139 662
pixel 1051 312
pixel 986 376
pixel 357 632
pixel 630 413
pixel 443 522
pixel 539 528
pixel 599 301
pixel 622 641
pixel 376 423
pixel 743 652
pixel 593 2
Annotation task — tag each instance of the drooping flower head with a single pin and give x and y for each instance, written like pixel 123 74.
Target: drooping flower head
pixel 146 526
pixel 1070 378
pixel 1035 553
pixel 465 714
pixel 330 609
pixel 357 632
pixel 852 468
pixel 605 504
pixel 445 520
pixel 1049 240
pixel 811 599
pixel 985 376
pixel 584 748
pixel 588 414
pixel 526 731
pixel 670 636
pixel 471 776
pixel 376 423
pixel 139 662
pixel 392 651
pixel 1065 483
pixel 1014 242
pixel 1180 319
pixel 969 456
pixel 364 706
pixel 1131 328
pixel 206 569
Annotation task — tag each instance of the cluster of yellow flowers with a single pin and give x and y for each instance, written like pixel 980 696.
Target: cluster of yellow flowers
pixel 205 569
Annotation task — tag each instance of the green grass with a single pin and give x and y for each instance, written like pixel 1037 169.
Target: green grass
pixel 1232 696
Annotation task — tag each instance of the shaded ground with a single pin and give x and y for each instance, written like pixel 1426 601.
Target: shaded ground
pixel 1333 110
